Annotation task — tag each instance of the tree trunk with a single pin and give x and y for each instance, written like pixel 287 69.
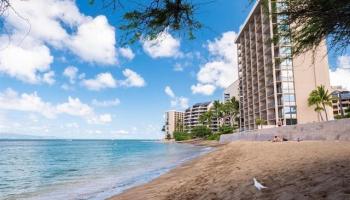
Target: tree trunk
pixel 320 114
pixel 325 111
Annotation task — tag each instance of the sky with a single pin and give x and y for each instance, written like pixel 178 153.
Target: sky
pixel 64 74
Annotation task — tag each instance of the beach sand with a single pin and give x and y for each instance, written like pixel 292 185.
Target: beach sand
pixel 290 170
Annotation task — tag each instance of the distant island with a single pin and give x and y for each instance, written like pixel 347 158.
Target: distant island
pixel 13 136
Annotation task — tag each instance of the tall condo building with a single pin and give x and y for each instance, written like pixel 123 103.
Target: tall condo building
pixel 231 91
pixel 192 114
pixel 275 85
pixel 174 122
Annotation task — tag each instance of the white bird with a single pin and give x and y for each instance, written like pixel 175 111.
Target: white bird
pixel 258 185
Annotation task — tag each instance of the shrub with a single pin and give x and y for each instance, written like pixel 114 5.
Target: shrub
pixel 181 136
pixel 201 131
pixel 215 136
pixel 226 129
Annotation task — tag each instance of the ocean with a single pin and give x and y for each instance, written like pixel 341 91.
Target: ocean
pixel 84 169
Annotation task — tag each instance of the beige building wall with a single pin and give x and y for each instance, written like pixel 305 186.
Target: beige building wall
pixel 232 91
pixel 172 119
pixel 310 71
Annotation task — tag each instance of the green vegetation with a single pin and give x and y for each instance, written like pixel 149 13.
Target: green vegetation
pixel 226 129
pixel 181 136
pixel 201 132
pixel 346 114
pixel 320 98
pixel 260 122
pixel 215 136
pixel 206 118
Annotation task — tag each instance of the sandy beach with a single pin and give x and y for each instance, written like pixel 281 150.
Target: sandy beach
pixel 290 170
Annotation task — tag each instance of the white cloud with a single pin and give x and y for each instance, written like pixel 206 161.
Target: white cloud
pixel 100 119
pixel 221 70
pixel 95 41
pixel 71 73
pixel 341 75
pixel 48 77
pixel 176 101
pixel 11 100
pixel 74 107
pixel 127 53
pixel 344 62
pixel 169 92
pixel 164 46
pixel 206 89
pixel 41 24
pixel 108 103
pixel 132 79
pixel 101 81
pixel 106 80
pixel 179 67
pixel 26 62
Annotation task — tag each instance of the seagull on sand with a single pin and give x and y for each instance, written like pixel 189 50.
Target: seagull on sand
pixel 258 185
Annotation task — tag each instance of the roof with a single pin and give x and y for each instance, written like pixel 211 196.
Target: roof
pixel 202 104
pixel 343 94
pixel 247 19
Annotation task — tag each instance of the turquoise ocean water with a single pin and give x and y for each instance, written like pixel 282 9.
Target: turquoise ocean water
pixel 84 169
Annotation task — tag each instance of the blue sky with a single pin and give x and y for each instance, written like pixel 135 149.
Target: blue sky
pixel 63 73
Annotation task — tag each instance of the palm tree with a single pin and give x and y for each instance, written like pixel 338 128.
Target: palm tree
pixel 218 111
pixel 320 97
pixel 206 118
pixel 319 109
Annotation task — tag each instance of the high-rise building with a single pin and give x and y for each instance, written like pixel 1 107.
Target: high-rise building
pixel 275 85
pixel 174 121
pixel 192 114
pixel 231 91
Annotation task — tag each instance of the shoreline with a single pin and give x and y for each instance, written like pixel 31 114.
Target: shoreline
pixel 202 142
pixel 301 170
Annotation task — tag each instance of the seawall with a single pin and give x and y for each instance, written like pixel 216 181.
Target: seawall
pixel 331 130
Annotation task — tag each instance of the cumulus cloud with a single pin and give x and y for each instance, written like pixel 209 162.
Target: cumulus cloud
pixel 107 103
pixel 133 79
pixel 27 62
pixel 169 92
pixel 71 73
pixel 341 75
pixel 206 89
pixel 175 101
pixel 127 53
pixel 221 69
pixel 45 24
pixel 48 77
pixel 11 100
pixel 106 80
pixel 164 46
pixel 95 41
pixel 101 81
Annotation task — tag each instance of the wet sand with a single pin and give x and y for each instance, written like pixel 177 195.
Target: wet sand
pixel 290 170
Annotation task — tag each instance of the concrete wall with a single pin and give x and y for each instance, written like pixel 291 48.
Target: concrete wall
pixel 308 74
pixel 331 130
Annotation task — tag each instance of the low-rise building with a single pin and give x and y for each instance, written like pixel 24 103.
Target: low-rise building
pixel 192 114
pixel 174 121
pixel 341 102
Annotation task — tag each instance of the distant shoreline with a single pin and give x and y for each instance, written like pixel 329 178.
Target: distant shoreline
pixel 299 170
